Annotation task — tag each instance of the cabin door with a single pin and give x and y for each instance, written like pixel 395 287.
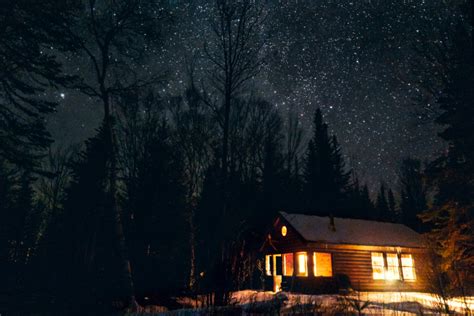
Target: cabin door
pixel 277 273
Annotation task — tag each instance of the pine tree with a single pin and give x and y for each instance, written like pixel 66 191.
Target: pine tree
pixel 392 204
pixel 341 176
pixel 366 202
pixel 7 216
pixel 452 213
pixel 412 192
pixel 78 243
pixel 324 175
pixel 382 211
pixel 27 70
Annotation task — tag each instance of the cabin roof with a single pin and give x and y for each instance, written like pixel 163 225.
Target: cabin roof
pixel 353 231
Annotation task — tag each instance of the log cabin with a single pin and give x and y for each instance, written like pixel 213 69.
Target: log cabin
pixel 313 254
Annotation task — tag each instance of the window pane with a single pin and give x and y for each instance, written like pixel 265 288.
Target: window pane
pixel 322 264
pixel 393 273
pixel 302 261
pixel 268 267
pixel 288 264
pixel 278 265
pixel 408 267
pixel 378 266
pixel 408 273
pixel 407 260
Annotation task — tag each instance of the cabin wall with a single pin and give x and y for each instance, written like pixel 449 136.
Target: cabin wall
pixel 357 265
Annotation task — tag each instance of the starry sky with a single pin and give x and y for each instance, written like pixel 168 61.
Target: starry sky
pixel 353 59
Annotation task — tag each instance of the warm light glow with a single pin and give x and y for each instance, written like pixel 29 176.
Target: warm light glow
pixel 322 264
pixel 284 230
pixel 277 283
pixel 378 266
pixel 302 258
pixel 277 265
pixel 288 264
pixel 390 269
pixel 268 269
pixel 408 267
pixel 393 272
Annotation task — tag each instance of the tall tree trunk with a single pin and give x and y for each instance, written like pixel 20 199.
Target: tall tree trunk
pixel 192 247
pixel 117 214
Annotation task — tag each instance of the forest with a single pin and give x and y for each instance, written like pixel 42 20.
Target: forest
pixel 174 191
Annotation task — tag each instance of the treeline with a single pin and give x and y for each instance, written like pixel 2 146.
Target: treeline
pixel 173 194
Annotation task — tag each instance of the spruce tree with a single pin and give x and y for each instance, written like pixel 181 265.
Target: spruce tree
pixel 382 211
pixel 452 214
pixel 412 192
pixel 341 176
pixel 392 205
pixel 79 244
pixel 366 202
pixel 324 175
pixel 31 33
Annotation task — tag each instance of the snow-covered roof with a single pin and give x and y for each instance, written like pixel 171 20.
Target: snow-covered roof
pixel 353 231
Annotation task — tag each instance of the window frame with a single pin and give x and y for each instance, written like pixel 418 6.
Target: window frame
pixel 412 267
pixel 315 266
pixel 268 265
pixel 284 268
pixel 298 272
pixel 382 265
pixel 399 267
pixel 392 267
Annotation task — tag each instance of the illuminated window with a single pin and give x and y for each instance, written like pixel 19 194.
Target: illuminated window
pixel 378 266
pixel 393 272
pixel 268 265
pixel 322 264
pixel 277 264
pixel 302 261
pixel 284 230
pixel 288 264
pixel 408 267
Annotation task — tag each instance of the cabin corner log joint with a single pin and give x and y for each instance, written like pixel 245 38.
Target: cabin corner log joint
pixel 313 254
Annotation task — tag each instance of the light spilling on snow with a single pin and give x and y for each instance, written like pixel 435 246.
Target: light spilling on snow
pixel 387 303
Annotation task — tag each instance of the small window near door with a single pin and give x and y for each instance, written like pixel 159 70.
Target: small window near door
pixel 302 263
pixel 408 267
pixel 378 266
pixel 288 264
pixel 322 264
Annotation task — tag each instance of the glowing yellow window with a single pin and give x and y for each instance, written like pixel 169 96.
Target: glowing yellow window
pixel 378 266
pixel 322 264
pixel 284 231
pixel 302 262
pixel 268 267
pixel 288 264
pixel 393 272
pixel 408 267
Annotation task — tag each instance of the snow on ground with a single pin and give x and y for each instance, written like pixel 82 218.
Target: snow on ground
pixel 249 302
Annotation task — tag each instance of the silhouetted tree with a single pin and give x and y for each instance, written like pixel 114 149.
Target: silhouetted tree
pixel 412 192
pixel 382 211
pixel 392 206
pixel 110 37
pixel 451 215
pixel 154 196
pixel 325 176
pixel 234 58
pixel 31 35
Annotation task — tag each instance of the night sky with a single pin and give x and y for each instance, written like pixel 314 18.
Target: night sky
pixel 353 59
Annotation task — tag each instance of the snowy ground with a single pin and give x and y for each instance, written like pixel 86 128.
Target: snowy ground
pixel 250 302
